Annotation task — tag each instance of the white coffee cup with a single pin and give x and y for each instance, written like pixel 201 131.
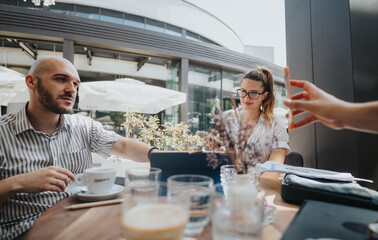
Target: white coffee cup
pixel 98 180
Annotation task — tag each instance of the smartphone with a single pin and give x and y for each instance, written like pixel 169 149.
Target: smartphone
pixel 288 90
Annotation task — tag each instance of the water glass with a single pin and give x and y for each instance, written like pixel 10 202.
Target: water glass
pixel 255 173
pixel 227 176
pixel 142 182
pixel 199 188
pixel 142 174
pixel 159 217
pixel 233 222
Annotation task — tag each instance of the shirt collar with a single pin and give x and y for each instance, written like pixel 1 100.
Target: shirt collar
pixel 64 122
pixel 23 124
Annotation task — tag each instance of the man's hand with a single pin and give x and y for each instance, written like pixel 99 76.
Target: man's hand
pixel 46 179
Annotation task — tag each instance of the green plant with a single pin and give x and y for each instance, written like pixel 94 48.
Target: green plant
pixel 167 137
pixel 117 118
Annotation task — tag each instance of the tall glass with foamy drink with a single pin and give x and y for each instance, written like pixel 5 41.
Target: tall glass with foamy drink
pixel 165 221
pixel 159 217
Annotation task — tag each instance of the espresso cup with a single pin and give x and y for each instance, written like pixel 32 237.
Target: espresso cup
pixel 98 180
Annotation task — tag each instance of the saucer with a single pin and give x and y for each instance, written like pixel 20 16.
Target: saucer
pixel 85 195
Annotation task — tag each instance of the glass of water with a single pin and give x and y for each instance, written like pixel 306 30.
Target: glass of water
pixel 142 182
pixel 231 221
pixel 227 176
pixel 199 188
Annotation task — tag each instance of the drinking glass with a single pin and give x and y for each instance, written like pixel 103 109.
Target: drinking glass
pixel 228 172
pixel 142 182
pixel 270 212
pixel 232 221
pixel 255 173
pixel 142 174
pixel 160 217
pixel 199 188
pixel 227 176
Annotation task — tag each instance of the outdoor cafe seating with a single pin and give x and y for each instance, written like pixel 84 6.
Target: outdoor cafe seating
pixel 310 215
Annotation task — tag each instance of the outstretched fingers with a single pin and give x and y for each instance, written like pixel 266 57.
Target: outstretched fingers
pixel 297 83
pixel 295 113
pixel 304 122
pixel 300 96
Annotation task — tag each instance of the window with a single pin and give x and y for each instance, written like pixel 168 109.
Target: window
pixel 87 12
pixel 133 21
pixel 9 2
pixel 204 96
pixel 173 30
pixel 192 36
pixel 29 4
pixel 111 16
pixel 203 39
pixel 230 82
pixel 154 25
pixel 280 92
pixel 62 8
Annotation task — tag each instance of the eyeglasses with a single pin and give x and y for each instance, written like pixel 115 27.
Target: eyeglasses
pixel 251 95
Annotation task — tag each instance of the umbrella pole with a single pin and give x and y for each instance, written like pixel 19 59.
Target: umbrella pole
pixel 127 123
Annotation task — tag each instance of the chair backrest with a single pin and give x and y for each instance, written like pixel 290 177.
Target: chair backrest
pixel 173 163
pixel 294 159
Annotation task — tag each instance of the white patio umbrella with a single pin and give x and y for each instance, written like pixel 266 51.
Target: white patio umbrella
pixel 127 95
pixel 12 86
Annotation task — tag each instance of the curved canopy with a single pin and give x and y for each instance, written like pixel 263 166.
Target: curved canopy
pixel 127 95
pixel 12 86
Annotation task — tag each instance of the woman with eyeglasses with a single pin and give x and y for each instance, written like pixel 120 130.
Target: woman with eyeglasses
pixel 267 137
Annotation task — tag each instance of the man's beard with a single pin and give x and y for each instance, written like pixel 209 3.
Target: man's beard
pixel 48 102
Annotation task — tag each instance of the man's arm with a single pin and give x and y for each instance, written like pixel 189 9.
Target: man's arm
pixel 45 179
pixel 131 149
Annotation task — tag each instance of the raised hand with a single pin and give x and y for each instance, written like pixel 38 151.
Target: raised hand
pixel 321 105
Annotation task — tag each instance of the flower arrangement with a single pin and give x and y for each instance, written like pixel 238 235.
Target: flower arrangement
pixel 167 137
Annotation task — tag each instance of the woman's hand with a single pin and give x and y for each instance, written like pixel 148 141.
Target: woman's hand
pixel 322 106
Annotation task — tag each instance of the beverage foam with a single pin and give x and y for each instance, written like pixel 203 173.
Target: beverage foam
pixel 154 218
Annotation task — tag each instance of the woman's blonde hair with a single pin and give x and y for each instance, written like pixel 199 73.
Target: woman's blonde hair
pixel 262 75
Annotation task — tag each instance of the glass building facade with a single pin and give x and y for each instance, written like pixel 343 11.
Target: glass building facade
pixel 208 85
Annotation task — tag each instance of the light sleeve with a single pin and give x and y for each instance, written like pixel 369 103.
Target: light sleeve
pixel 280 135
pixel 101 139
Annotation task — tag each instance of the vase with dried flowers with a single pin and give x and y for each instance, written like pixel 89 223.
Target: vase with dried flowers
pixel 242 209
pixel 243 195
pixel 240 153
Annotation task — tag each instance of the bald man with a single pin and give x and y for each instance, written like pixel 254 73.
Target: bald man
pixel 43 147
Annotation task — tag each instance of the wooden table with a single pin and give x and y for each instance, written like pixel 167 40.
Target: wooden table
pixel 104 222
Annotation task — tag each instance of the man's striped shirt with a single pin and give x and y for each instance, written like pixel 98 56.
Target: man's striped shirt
pixel 22 150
